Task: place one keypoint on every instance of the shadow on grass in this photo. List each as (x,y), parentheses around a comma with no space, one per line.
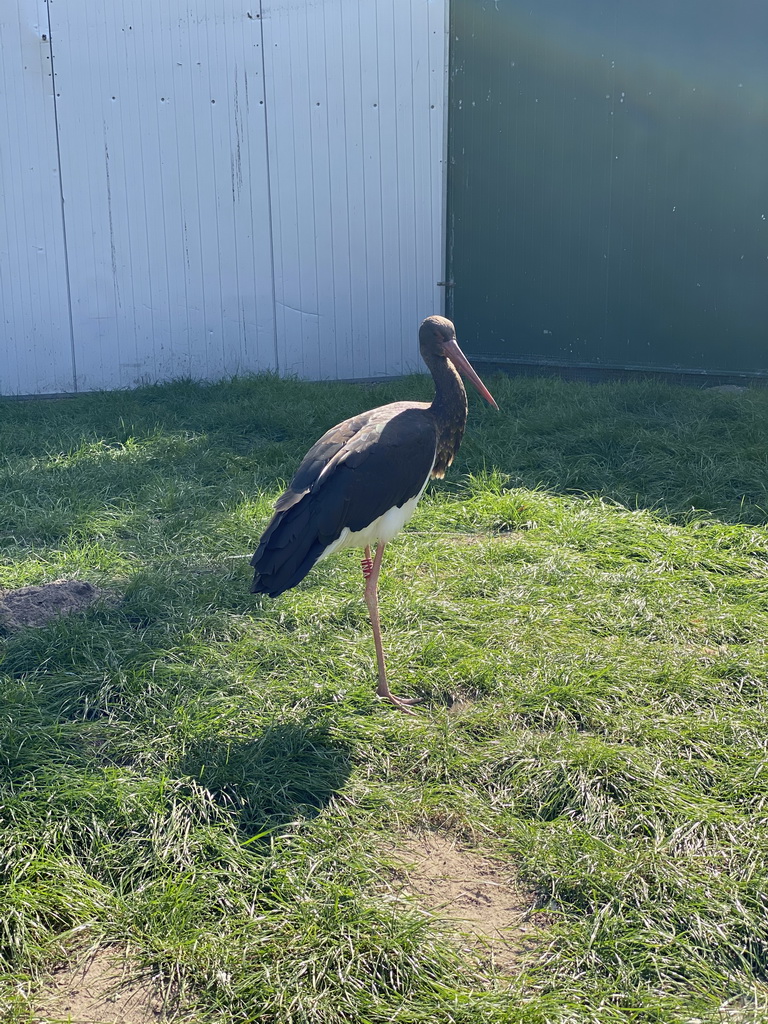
(93,696)
(289,771)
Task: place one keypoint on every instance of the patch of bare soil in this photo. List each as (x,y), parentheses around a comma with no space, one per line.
(107,988)
(36,606)
(482,898)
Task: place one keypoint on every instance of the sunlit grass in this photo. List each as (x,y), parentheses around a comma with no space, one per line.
(583,604)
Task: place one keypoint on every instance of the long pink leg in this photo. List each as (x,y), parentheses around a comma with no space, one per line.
(371,568)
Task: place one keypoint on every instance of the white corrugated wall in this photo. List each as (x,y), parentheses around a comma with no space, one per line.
(35,336)
(207,187)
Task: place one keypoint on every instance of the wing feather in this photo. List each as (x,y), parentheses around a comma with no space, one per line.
(355,473)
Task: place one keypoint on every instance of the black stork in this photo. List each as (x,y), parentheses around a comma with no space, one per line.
(360,483)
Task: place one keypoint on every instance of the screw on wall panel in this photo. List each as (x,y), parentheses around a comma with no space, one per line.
(44,37)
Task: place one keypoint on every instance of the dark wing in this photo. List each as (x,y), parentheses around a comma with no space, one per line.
(355,473)
(329,446)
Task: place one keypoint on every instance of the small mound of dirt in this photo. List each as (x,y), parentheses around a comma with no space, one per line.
(36,606)
(481,897)
(106,989)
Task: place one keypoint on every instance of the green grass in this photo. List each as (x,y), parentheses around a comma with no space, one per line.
(208,776)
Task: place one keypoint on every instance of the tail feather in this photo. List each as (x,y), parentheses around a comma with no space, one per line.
(288,549)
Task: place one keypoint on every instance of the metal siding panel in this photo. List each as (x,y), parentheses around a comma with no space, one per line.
(163,143)
(388,226)
(607,188)
(376,166)
(355,96)
(433,127)
(35,340)
(437,119)
(352,100)
(320,72)
(339,261)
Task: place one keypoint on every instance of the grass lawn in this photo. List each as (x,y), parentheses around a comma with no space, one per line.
(207,777)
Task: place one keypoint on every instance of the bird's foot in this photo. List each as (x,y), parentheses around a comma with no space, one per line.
(403,703)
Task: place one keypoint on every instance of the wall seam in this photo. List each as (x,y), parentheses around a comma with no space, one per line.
(61,198)
(269,189)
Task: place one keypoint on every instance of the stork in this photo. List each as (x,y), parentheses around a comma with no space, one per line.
(360,483)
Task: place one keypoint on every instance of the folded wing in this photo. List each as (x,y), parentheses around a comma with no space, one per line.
(355,473)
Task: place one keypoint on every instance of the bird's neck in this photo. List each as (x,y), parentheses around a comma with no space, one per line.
(449,409)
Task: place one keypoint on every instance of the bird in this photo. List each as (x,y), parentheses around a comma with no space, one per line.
(359,484)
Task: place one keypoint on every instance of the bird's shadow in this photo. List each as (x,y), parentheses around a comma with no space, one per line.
(289,771)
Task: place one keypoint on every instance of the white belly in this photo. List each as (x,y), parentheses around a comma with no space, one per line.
(381,530)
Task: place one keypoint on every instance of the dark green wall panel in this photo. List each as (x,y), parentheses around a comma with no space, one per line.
(608,181)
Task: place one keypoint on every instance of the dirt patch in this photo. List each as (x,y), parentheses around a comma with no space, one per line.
(36,606)
(489,907)
(107,988)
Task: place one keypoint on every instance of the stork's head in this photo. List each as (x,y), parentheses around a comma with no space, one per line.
(437,340)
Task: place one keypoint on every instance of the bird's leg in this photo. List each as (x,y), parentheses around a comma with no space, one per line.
(367,563)
(371,568)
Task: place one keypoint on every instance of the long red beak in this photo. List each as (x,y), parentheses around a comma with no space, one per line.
(461,362)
